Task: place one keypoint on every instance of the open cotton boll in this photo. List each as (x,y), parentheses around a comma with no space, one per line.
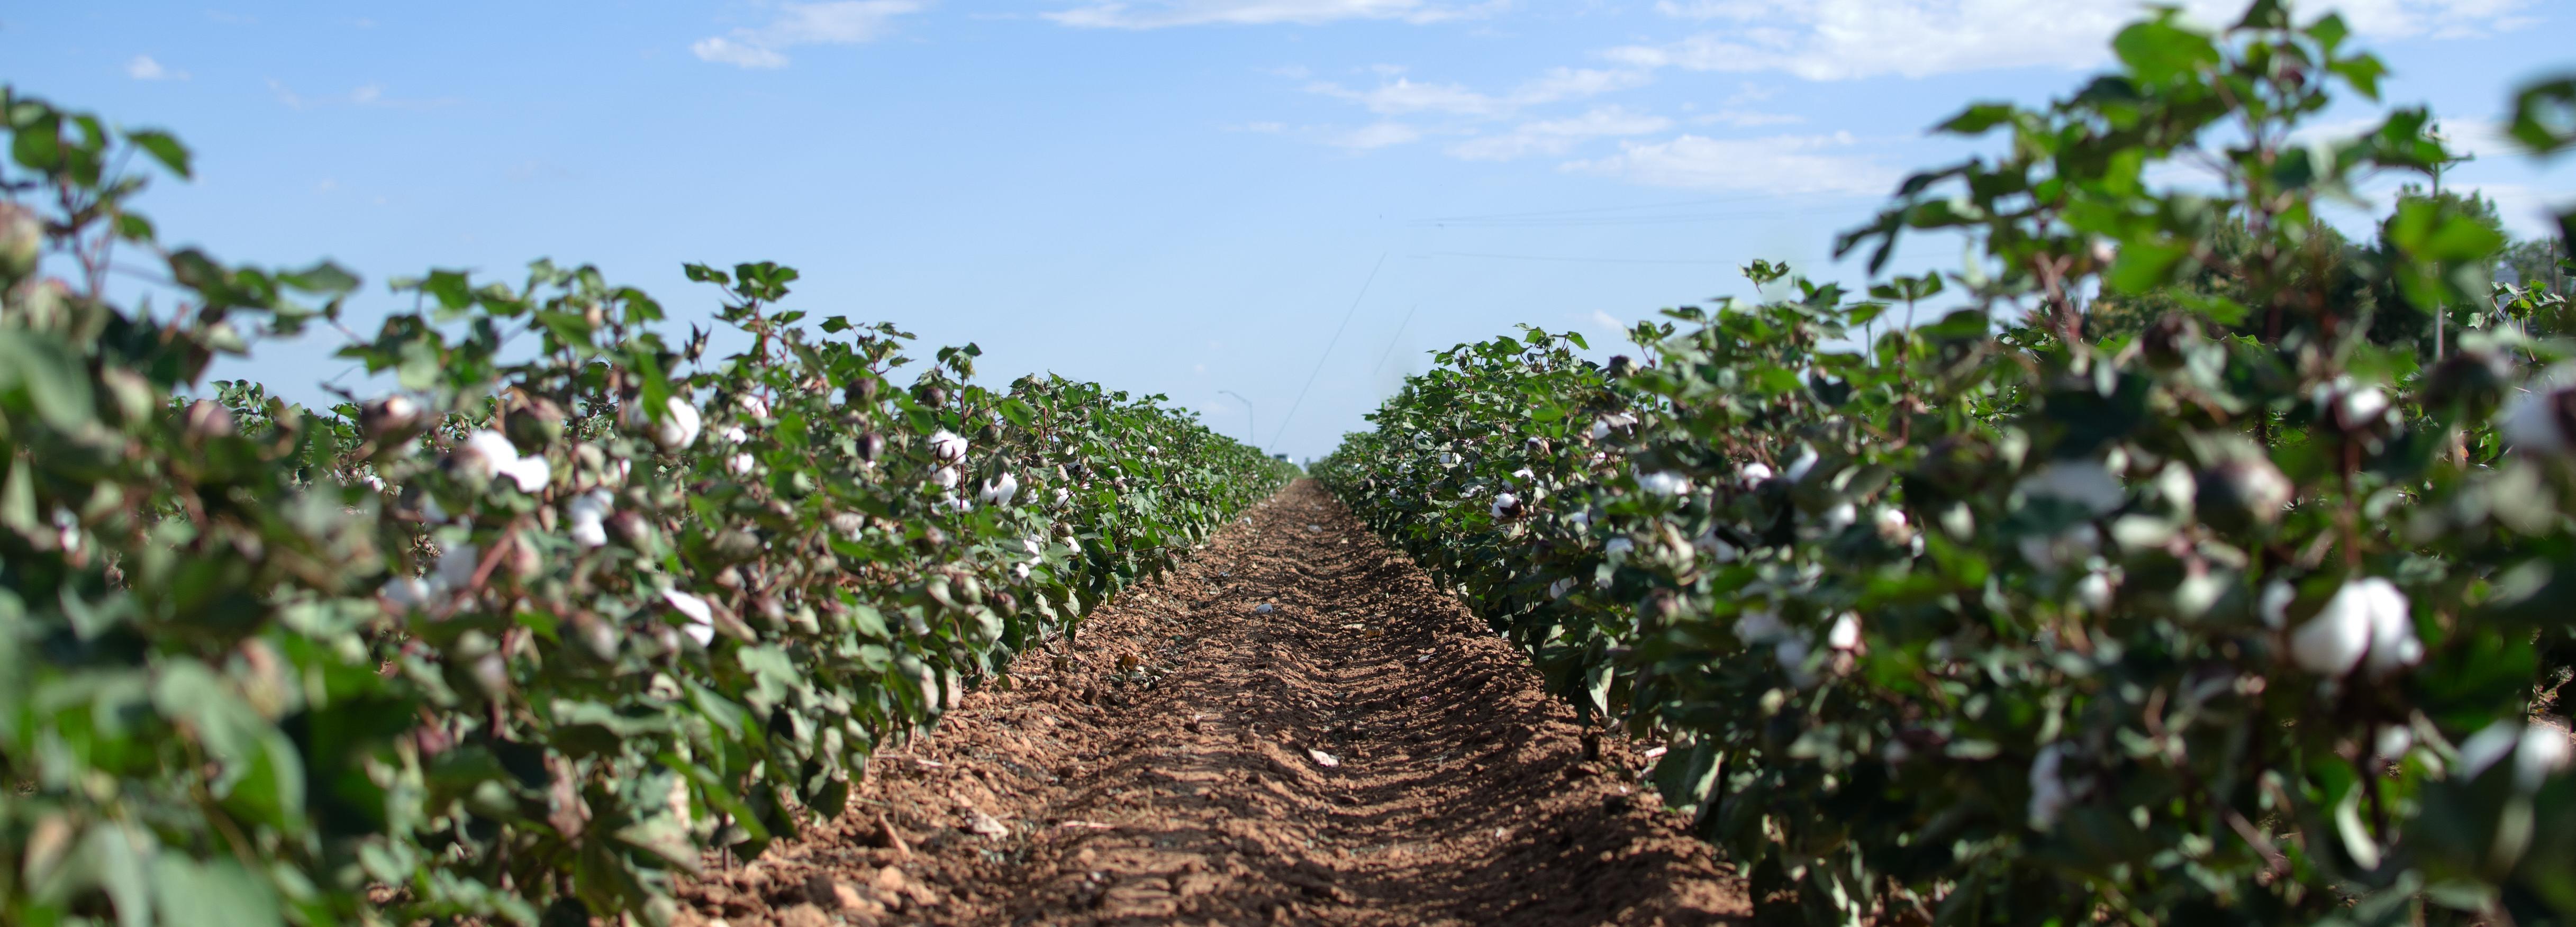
(1000,490)
(484,456)
(1845,634)
(456,566)
(753,406)
(1664,484)
(679,426)
(1806,461)
(946,446)
(946,477)
(585,513)
(1842,515)
(407,592)
(702,616)
(1559,588)
(2094,591)
(2275,604)
(530,473)
(1506,505)
(2048,794)
(2537,420)
(1523,474)
(1753,474)
(2367,616)
(1618,547)
(2083,482)
(740,464)
(733,434)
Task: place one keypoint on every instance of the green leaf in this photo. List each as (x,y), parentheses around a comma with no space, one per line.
(2159,51)
(216,893)
(163,147)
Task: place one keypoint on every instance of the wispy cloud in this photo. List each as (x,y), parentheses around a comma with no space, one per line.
(1404,96)
(1847,39)
(370,95)
(1557,136)
(1159,14)
(1377,135)
(144,68)
(1784,164)
(839,22)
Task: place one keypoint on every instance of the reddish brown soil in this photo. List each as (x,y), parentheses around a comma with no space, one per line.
(1169,768)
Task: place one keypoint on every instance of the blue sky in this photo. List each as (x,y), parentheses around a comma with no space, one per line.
(1174,196)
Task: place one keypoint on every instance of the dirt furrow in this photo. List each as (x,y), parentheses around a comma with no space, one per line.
(1362,751)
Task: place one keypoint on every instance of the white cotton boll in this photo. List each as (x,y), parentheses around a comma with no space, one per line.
(530,473)
(2082,482)
(740,464)
(1806,462)
(733,434)
(2094,591)
(2530,424)
(407,592)
(1582,521)
(484,455)
(1845,634)
(1000,490)
(2392,742)
(1152,451)
(1894,753)
(2543,751)
(1505,505)
(1448,459)
(1753,474)
(1031,545)
(2367,614)
(1524,474)
(374,482)
(946,477)
(1664,484)
(2393,645)
(1716,546)
(2488,745)
(457,565)
(679,426)
(1619,548)
(1759,626)
(1841,516)
(589,533)
(1600,430)
(2275,605)
(753,406)
(1891,524)
(2048,794)
(1020,570)
(592,505)
(947,447)
(1559,588)
(702,624)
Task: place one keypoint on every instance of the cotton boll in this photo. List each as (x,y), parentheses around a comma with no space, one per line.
(946,477)
(2083,482)
(1759,626)
(1448,459)
(589,534)
(2275,604)
(2537,421)
(753,406)
(1845,634)
(1664,484)
(1753,475)
(947,447)
(1716,546)
(733,434)
(407,592)
(2392,742)
(1000,490)
(2094,591)
(2367,615)
(531,473)
(2542,751)
(1805,462)
(1892,525)
(679,426)
(1842,515)
(1506,505)
(457,566)
(702,625)
(740,464)
(1523,474)
(1619,548)
(2048,794)
(483,456)
(1559,588)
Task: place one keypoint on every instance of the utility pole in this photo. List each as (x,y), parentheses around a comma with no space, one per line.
(1252,428)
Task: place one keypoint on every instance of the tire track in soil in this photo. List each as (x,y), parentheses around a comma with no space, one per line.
(1459,792)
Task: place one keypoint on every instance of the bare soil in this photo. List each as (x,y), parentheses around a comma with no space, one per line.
(1363,752)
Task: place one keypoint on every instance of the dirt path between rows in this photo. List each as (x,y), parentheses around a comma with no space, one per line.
(1363,752)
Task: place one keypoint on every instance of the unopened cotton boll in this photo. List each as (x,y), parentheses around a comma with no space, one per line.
(1664,484)
(2367,616)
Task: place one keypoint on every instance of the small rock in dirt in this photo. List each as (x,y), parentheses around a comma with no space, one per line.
(1314,527)
(1324,759)
(1262,609)
(804,915)
(980,823)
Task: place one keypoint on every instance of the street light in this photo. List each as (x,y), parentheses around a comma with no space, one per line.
(1253,426)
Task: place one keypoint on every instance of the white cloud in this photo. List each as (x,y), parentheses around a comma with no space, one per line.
(837,22)
(1557,136)
(1785,164)
(1745,119)
(1405,96)
(144,68)
(1158,14)
(1846,39)
(1376,135)
(363,95)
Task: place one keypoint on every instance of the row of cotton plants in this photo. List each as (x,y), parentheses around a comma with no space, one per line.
(2239,617)
(566,610)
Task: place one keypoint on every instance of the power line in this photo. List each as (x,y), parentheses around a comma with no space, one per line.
(1537,257)
(1390,339)
(1328,350)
